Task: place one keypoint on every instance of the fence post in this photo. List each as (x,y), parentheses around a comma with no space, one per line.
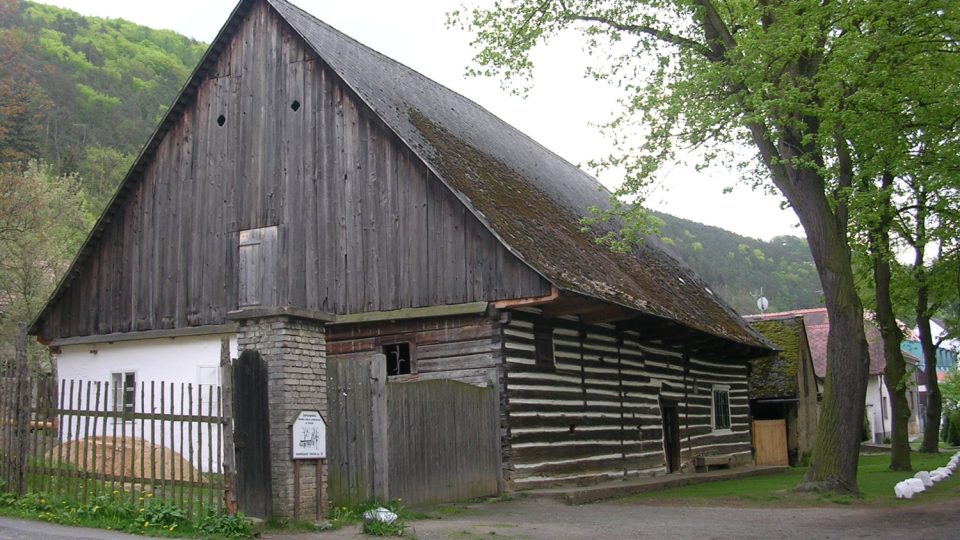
(22,424)
(229,452)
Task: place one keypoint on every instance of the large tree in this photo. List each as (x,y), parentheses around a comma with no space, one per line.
(784,77)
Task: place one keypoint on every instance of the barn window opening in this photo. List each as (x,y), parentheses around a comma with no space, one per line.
(295,105)
(398,359)
(543,347)
(221,120)
(721,408)
(124,390)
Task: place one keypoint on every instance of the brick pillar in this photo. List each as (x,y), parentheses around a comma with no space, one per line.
(294,349)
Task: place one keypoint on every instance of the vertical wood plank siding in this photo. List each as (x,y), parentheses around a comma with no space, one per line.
(597,416)
(363,225)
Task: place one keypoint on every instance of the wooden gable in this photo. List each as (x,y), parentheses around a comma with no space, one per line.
(271,137)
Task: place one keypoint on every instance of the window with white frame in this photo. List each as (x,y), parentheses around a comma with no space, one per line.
(124,386)
(721,407)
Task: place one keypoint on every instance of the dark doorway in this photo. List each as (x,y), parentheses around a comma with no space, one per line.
(671,434)
(251,434)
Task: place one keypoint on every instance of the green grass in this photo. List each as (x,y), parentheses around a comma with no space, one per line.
(874,478)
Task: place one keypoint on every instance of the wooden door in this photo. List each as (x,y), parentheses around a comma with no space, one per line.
(770,442)
(443,440)
(356,429)
(671,435)
(252,434)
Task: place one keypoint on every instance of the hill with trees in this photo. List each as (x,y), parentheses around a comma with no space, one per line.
(80,95)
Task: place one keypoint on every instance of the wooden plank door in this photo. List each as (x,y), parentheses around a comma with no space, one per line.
(356,428)
(770,442)
(444,442)
(252,434)
(671,435)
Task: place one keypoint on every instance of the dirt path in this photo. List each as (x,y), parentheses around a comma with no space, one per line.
(548,520)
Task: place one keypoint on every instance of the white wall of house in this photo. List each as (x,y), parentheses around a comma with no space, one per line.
(879,408)
(188,367)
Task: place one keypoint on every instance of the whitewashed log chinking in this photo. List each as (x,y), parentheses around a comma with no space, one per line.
(300,174)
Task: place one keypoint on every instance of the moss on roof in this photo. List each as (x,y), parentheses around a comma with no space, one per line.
(776,376)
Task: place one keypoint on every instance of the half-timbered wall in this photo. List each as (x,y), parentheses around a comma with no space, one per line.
(596,416)
(274,138)
(462,348)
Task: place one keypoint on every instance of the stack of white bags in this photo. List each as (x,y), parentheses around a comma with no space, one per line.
(925,479)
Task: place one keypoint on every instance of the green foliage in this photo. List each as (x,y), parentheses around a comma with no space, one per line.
(729,263)
(224,525)
(116,512)
(108,80)
(866,433)
(344,515)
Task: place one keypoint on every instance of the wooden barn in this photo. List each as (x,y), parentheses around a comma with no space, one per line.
(407,264)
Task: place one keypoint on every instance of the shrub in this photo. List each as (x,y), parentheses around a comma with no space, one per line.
(235,526)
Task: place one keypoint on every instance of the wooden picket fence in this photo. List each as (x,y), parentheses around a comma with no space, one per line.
(78,439)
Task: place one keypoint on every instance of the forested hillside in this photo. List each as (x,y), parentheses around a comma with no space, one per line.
(91,90)
(79,96)
(738,267)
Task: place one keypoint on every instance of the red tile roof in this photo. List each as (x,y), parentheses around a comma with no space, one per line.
(818,326)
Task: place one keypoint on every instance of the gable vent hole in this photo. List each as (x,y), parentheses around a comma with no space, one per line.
(221,120)
(295,105)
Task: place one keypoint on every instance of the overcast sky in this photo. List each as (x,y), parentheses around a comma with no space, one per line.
(558,112)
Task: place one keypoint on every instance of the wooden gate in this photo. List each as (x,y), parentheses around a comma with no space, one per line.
(354,451)
(252,434)
(444,442)
(423,442)
(770,442)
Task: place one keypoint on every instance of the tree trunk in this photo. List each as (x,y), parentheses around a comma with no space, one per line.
(931,428)
(894,373)
(895,369)
(836,450)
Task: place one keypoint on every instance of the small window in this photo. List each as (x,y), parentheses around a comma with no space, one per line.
(543,347)
(399,361)
(721,408)
(124,391)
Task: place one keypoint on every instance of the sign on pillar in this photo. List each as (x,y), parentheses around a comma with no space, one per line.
(309,442)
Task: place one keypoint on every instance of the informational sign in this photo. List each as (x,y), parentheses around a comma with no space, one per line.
(309,436)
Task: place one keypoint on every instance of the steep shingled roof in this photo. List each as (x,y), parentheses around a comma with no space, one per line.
(529,198)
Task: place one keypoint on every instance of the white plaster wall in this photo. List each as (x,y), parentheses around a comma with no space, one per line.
(875,390)
(185,365)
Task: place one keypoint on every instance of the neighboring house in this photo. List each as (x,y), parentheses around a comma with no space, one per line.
(878,398)
(784,386)
(321,206)
(946,361)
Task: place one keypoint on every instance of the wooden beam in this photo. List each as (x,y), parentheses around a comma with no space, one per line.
(230,328)
(529,301)
(412,313)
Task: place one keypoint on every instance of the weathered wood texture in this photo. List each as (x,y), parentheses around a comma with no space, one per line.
(252,434)
(350,437)
(465,348)
(597,415)
(362,224)
(443,441)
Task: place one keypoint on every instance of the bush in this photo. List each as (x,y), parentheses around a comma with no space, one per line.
(866,433)
(950,433)
(225,525)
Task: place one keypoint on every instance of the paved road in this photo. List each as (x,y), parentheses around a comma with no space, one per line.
(16,529)
(548,520)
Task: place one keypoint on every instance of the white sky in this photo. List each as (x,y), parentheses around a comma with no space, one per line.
(558,112)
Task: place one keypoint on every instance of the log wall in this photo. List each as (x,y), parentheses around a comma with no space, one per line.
(274,138)
(463,348)
(597,416)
